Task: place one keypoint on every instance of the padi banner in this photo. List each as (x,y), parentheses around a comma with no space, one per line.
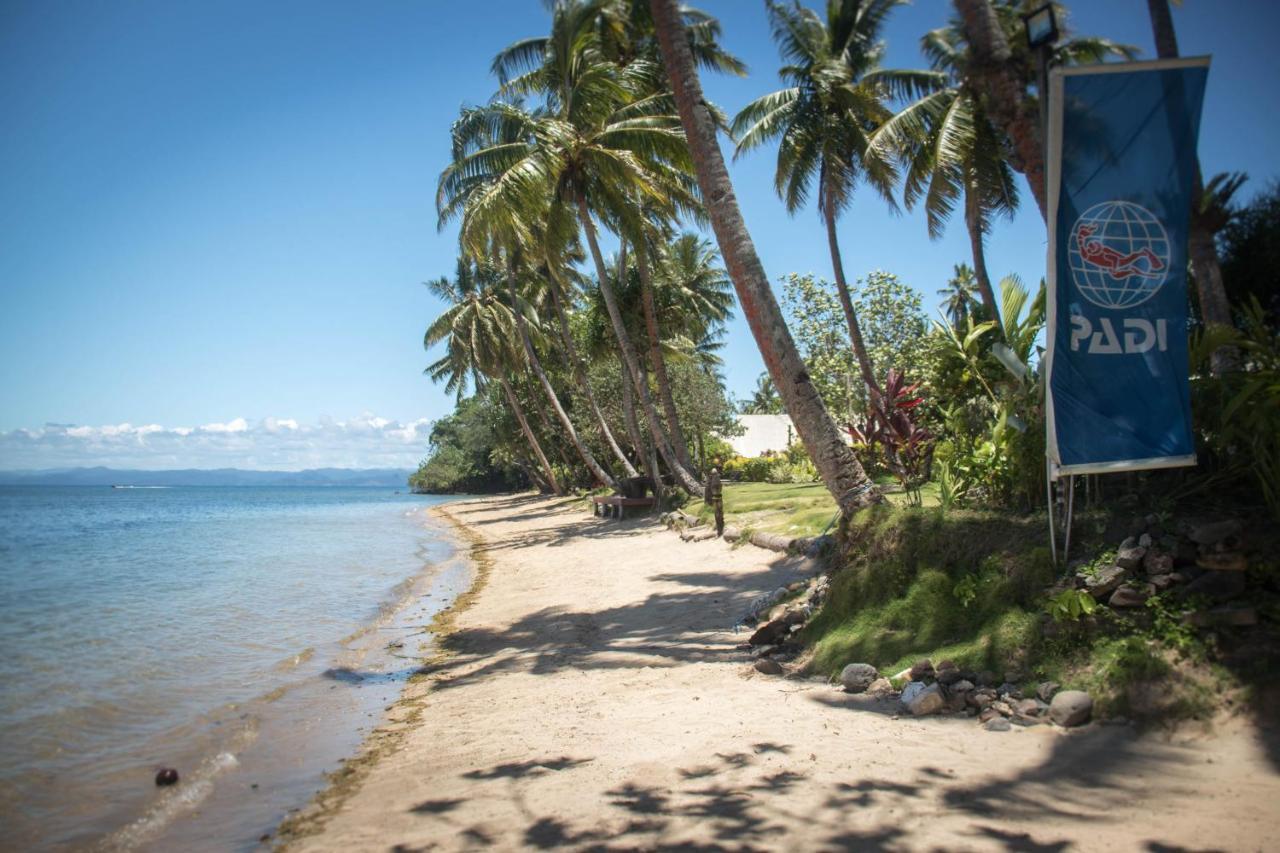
(1121,162)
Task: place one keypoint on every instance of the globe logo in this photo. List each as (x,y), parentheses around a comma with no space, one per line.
(1118,254)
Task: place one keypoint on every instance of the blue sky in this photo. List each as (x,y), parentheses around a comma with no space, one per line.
(221,213)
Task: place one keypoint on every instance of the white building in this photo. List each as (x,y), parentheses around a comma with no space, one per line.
(763,433)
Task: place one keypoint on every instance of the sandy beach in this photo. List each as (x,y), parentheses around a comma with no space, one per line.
(593,695)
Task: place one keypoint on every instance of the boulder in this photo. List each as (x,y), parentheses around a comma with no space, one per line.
(1231,561)
(910,692)
(1104,581)
(1163,582)
(922,670)
(1071,708)
(1003,707)
(1130,558)
(1046,690)
(988,714)
(930,700)
(880,687)
(765,666)
(1211,533)
(1217,586)
(1145,541)
(1131,596)
(963,686)
(857,677)
(997,724)
(948,673)
(776,630)
(1009,689)
(1028,707)
(1157,563)
(986,678)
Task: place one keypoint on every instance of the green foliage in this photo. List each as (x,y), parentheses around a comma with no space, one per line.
(1249,246)
(1238,414)
(470,451)
(893,327)
(764,400)
(1070,605)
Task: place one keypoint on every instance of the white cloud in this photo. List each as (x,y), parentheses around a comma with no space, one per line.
(272,443)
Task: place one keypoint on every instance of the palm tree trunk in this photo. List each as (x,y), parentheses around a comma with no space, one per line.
(1007,97)
(530,437)
(865,367)
(1215,310)
(597,471)
(645,453)
(630,360)
(840,471)
(659,362)
(973,221)
(549,435)
(566,335)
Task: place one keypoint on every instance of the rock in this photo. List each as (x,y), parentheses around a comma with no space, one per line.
(1028,707)
(928,701)
(1046,689)
(857,677)
(1214,532)
(997,724)
(1105,581)
(1026,720)
(1222,616)
(963,686)
(770,633)
(921,670)
(1132,541)
(988,714)
(1162,582)
(986,678)
(1145,541)
(1231,561)
(763,651)
(1217,586)
(167,776)
(1003,707)
(1130,596)
(1008,689)
(1071,708)
(765,666)
(880,687)
(1157,563)
(980,699)
(910,692)
(1130,558)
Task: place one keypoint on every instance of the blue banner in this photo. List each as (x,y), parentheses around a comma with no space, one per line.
(1121,162)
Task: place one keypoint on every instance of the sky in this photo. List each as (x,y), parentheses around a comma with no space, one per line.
(216,218)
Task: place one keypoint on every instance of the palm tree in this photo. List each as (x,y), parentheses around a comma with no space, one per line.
(959,292)
(764,400)
(605,147)
(824,118)
(476,328)
(1214,307)
(840,471)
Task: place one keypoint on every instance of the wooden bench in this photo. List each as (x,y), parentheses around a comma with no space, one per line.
(616,505)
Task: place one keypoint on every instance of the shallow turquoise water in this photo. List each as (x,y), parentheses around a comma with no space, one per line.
(227,632)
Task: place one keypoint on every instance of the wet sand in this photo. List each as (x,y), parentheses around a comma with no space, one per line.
(595,697)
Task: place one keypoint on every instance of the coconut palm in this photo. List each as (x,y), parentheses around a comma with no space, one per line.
(823,120)
(476,328)
(603,147)
(764,400)
(840,470)
(959,292)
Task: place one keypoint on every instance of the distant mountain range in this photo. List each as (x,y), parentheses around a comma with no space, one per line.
(394,477)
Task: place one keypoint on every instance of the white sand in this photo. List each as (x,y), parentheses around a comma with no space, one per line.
(598,700)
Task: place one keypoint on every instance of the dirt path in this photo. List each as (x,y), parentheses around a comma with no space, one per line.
(598,700)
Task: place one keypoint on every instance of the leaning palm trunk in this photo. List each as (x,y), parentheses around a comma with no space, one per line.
(973,222)
(835,461)
(1008,104)
(571,349)
(646,454)
(593,466)
(530,437)
(674,431)
(549,435)
(1214,308)
(631,361)
(865,367)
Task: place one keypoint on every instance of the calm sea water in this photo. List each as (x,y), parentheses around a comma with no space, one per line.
(245,636)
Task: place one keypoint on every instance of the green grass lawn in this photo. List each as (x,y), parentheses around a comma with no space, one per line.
(788,509)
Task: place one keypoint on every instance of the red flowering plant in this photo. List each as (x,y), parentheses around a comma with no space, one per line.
(907,445)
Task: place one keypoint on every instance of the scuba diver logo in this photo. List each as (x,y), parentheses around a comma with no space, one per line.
(1118,253)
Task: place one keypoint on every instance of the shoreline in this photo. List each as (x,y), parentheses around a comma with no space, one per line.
(406,711)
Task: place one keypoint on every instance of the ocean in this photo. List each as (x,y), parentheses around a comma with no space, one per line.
(247,637)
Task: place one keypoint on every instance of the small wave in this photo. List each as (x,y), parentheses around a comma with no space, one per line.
(181,799)
(296,660)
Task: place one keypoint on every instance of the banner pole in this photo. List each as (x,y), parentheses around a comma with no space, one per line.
(1071,502)
(1048,488)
